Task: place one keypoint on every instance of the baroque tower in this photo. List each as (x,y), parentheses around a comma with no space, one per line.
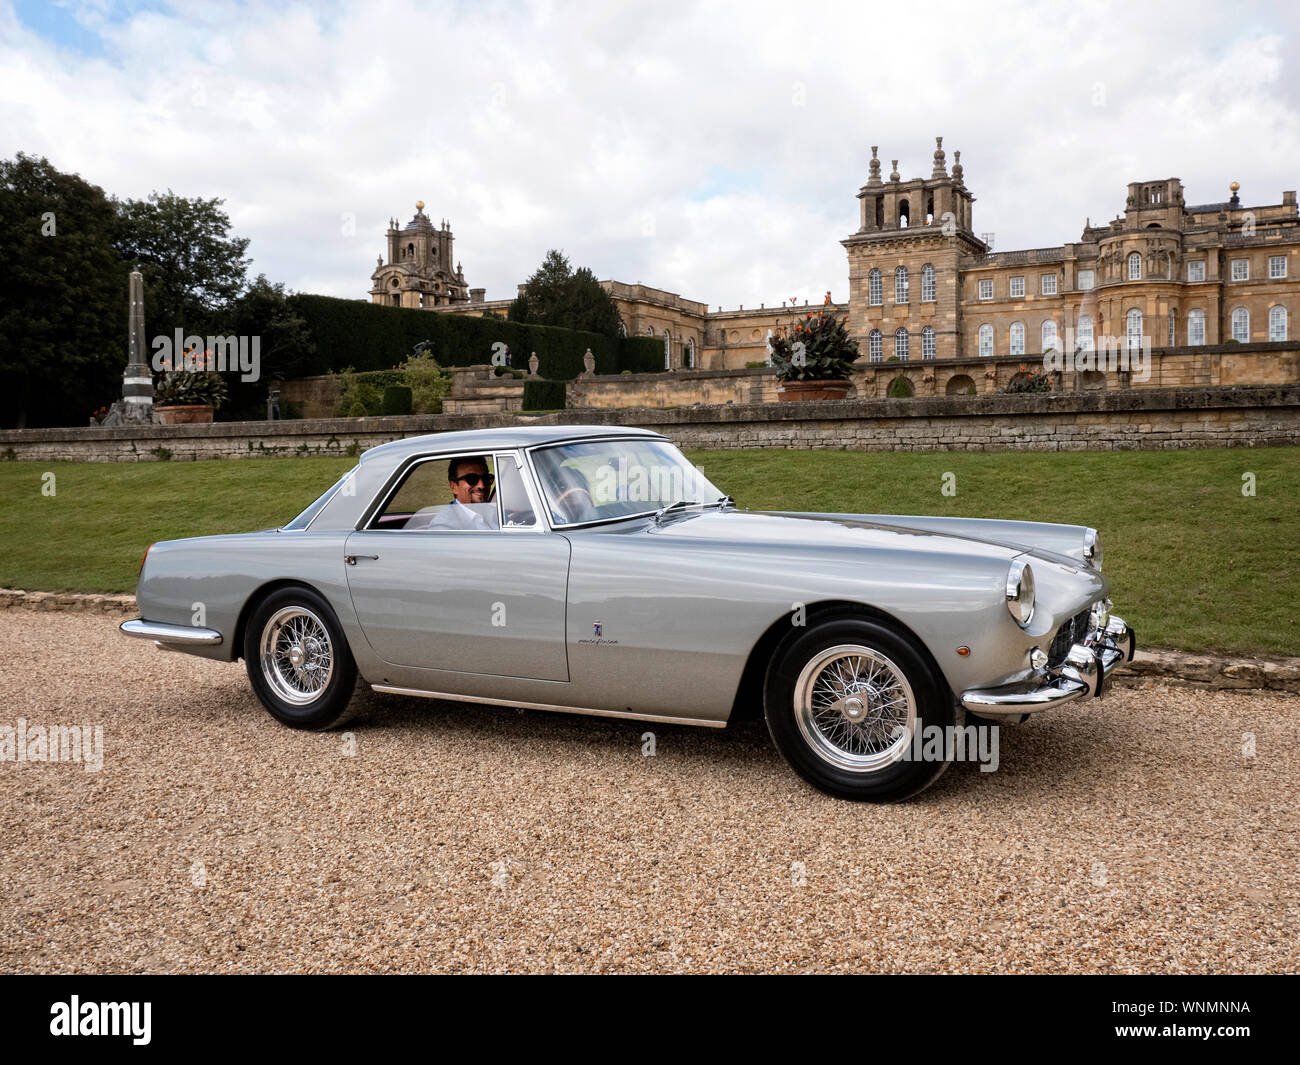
(904,284)
(419,272)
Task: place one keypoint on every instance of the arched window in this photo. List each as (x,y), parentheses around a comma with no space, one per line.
(986,341)
(1276,323)
(1133,329)
(927,342)
(688,354)
(876,346)
(1135,267)
(1048,334)
(1196,327)
(668,351)
(1085,337)
(1017,339)
(410,251)
(927,283)
(929,209)
(1173,325)
(900,345)
(904,214)
(1241,325)
(900,285)
(875,297)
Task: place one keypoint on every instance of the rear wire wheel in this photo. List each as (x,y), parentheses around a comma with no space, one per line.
(298,660)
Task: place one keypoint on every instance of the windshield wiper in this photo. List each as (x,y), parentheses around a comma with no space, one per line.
(663,512)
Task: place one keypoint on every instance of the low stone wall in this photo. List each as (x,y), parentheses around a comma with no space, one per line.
(1139,419)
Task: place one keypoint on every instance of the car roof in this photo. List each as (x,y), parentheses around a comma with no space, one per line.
(509,436)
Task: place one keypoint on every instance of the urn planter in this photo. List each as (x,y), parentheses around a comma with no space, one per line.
(188,414)
(792,391)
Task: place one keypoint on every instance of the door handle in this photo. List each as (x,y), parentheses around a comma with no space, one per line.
(351,560)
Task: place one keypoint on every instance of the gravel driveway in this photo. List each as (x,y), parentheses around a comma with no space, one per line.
(1134,834)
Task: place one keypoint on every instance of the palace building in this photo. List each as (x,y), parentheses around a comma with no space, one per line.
(923,284)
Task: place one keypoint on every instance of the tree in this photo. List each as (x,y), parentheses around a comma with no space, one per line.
(558,296)
(266,311)
(192,266)
(63,318)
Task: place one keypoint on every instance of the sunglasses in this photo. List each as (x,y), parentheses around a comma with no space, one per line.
(475,479)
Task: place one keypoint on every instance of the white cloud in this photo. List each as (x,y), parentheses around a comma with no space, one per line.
(714,150)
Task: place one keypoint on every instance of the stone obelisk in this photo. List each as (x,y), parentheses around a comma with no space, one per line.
(137,380)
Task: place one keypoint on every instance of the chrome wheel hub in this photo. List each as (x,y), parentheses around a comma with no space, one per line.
(297,656)
(855,708)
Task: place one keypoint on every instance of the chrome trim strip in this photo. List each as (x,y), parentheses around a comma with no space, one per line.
(164,633)
(658,718)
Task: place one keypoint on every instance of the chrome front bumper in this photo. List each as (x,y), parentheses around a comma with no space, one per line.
(1082,676)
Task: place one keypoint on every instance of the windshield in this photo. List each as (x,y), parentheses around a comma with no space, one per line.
(602,480)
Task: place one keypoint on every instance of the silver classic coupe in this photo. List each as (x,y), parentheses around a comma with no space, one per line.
(594,570)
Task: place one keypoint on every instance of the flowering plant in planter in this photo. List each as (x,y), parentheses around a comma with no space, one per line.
(818,348)
(1027,380)
(190,388)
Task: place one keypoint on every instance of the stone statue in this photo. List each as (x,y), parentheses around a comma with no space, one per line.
(533,363)
(589,362)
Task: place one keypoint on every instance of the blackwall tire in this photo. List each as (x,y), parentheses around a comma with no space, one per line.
(843,700)
(298,660)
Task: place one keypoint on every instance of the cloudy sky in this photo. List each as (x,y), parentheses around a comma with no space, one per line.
(714,150)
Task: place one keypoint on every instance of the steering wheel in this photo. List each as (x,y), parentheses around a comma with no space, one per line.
(570,503)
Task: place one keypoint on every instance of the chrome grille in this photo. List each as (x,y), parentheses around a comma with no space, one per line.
(1072,632)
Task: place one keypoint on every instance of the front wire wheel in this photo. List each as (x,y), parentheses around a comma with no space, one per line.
(844,699)
(855,708)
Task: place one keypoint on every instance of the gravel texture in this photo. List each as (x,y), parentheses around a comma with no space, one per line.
(1131,834)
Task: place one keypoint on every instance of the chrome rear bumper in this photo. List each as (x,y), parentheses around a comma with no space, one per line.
(1082,676)
(173,635)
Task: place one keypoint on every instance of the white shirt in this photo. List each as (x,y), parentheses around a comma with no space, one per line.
(458,515)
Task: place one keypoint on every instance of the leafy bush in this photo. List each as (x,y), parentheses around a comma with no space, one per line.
(827,353)
(901,388)
(1028,381)
(397,400)
(182,388)
(429,383)
(364,394)
(543,395)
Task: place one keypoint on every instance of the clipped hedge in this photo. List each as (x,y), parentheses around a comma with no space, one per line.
(638,355)
(543,395)
(397,400)
(369,336)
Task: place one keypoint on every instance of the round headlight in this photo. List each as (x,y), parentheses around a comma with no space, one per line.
(1020,592)
(1092,548)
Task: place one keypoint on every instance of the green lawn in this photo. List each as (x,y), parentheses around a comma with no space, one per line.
(1194,563)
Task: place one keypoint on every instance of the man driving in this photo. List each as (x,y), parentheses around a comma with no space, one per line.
(471,506)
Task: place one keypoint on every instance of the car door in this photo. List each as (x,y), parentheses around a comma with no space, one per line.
(475,601)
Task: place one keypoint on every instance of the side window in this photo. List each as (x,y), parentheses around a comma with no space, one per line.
(516,508)
(456,495)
